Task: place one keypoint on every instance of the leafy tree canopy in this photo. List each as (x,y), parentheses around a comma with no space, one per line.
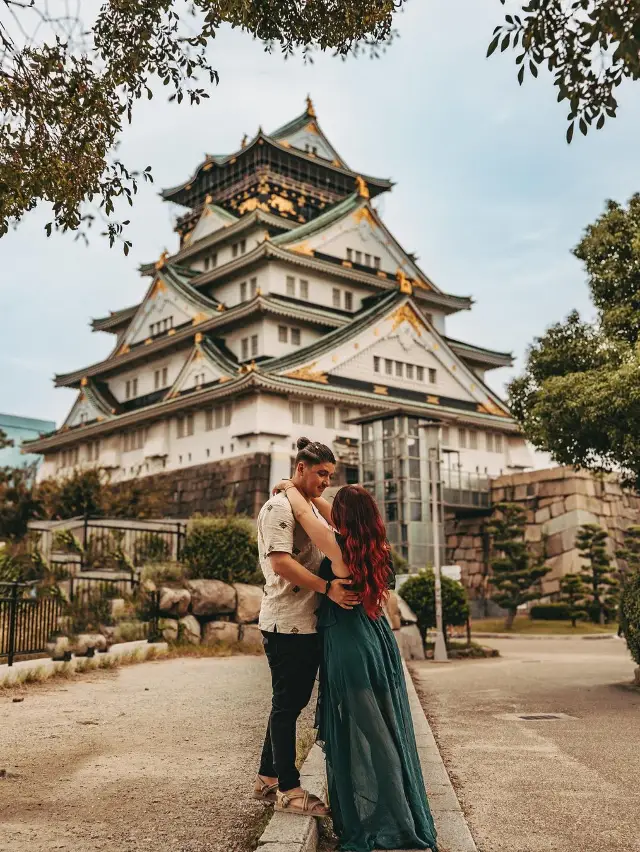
(579,395)
(68,86)
(589,47)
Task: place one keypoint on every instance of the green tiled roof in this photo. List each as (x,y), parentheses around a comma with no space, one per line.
(333,214)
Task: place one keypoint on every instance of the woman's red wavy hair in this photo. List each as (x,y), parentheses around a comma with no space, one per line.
(365,549)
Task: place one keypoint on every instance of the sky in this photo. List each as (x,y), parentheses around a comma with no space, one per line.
(488,194)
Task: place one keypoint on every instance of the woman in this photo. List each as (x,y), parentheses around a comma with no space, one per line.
(376,790)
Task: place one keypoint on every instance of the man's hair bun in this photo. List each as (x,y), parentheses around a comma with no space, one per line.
(301,443)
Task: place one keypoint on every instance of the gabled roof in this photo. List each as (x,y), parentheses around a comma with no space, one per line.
(116,321)
(307,120)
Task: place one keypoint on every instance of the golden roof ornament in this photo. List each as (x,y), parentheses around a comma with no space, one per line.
(310,108)
(208,199)
(361,187)
(403,282)
(243,144)
(221,308)
(161,261)
(198,338)
(83,382)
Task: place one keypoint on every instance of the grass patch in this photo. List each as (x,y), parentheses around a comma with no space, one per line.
(304,744)
(524,625)
(464,650)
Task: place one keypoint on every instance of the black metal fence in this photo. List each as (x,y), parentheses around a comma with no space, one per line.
(140,544)
(26,621)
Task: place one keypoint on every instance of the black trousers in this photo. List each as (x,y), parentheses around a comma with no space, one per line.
(293,660)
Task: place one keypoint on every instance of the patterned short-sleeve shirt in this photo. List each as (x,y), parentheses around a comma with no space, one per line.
(286,607)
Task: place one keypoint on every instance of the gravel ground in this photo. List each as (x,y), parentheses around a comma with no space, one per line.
(541,786)
(157,756)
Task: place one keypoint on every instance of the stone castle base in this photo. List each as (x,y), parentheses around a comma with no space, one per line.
(557,502)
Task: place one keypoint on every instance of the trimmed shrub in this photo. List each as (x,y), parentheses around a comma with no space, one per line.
(164,572)
(151,547)
(550,612)
(419,592)
(630,614)
(222,549)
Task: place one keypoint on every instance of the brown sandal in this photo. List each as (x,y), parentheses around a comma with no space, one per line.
(311,805)
(263,791)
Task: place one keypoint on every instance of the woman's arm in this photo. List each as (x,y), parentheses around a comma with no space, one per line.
(320,534)
(324,507)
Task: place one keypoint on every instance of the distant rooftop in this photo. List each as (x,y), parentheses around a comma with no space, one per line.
(20,429)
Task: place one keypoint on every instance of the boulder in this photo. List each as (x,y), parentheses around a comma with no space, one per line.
(109,633)
(249,602)
(59,648)
(220,631)
(168,627)
(407,615)
(392,611)
(119,608)
(251,637)
(189,629)
(87,643)
(174,601)
(211,597)
(410,642)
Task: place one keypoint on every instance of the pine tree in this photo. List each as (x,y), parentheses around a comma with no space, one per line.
(573,592)
(630,554)
(516,571)
(591,541)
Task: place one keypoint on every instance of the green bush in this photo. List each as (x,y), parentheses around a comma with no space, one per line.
(164,572)
(222,549)
(419,593)
(550,612)
(152,547)
(630,614)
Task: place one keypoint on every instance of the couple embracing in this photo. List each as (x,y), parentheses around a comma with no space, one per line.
(327,570)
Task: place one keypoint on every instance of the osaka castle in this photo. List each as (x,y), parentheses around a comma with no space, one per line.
(287,308)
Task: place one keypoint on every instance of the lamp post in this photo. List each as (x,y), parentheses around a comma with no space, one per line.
(440,651)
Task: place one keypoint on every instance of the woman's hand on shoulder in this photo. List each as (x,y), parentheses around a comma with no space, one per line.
(281,486)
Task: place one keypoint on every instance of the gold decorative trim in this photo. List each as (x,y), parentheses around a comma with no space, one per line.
(247,368)
(308,374)
(406,314)
(124,349)
(433,400)
(361,187)
(207,166)
(381,274)
(158,287)
(347,263)
(303,248)
(198,338)
(381,389)
(161,261)
(403,282)
(83,383)
(243,144)
(363,215)
(336,163)
(312,127)
(198,318)
(223,379)
(208,199)
(171,332)
(311,112)
(148,341)
(490,407)
(285,144)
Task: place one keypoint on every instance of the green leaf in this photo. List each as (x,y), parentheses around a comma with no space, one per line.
(493,45)
(570,133)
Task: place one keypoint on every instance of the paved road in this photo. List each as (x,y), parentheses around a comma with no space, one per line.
(157,756)
(541,786)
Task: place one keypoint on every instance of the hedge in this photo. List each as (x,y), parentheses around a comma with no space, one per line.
(630,614)
(550,612)
(222,549)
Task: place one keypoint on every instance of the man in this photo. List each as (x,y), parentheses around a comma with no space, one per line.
(290,563)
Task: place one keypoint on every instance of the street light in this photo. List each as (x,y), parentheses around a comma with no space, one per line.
(440,651)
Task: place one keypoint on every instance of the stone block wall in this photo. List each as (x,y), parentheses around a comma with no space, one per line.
(557,501)
(204,488)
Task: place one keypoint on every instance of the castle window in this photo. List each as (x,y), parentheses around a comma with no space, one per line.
(291,285)
(376,364)
(336,298)
(329,417)
(243,246)
(214,260)
(295,336)
(376,262)
(227,415)
(254,344)
(208,421)
(294,408)
(207,261)
(350,255)
(304,289)
(307,413)
(367,259)
(283,334)
(198,380)
(498,443)
(133,440)
(358,257)
(219,417)
(489,441)
(244,344)
(446,435)
(243,291)
(473,439)
(420,374)
(348,301)
(254,287)
(93,451)
(179,428)
(399,369)
(131,388)
(462,438)
(345,413)
(410,372)
(190,424)
(429,318)
(315,150)
(433,375)
(388,367)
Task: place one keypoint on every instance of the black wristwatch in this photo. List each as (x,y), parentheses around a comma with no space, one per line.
(328,587)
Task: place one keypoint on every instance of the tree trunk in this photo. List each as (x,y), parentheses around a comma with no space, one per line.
(511,617)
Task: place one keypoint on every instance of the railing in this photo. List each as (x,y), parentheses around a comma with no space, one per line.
(26,622)
(463,489)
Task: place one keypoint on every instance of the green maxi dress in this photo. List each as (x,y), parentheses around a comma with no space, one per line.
(376,789)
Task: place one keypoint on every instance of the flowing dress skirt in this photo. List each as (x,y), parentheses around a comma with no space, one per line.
(376,789)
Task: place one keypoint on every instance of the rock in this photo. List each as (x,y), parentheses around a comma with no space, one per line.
(211,597)
(249,602)
(392,611)
(109,634)
(87,643)
(220,631)
(407,615)
(251,637)
(168,627)
(410,642)
(59,648)
(174,601)
(189,629)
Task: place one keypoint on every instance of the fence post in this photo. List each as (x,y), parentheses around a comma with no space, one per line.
(85,535)
(154,633)
(13,611)
(179,541)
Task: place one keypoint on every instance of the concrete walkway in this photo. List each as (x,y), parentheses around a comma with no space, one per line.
(158,756)
(545,785)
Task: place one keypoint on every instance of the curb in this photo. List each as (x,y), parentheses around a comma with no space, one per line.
(288,833)
(294,833)
(586,636)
